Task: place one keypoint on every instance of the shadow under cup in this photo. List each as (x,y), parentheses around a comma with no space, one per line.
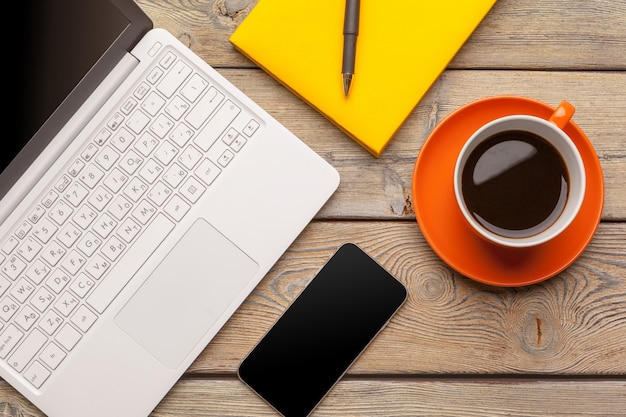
(519,181)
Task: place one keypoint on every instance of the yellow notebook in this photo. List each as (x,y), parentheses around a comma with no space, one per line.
(403,46)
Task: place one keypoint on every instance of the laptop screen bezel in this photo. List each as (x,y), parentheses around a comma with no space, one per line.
(138,24)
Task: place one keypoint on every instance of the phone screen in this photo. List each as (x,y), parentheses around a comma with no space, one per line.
(323,332)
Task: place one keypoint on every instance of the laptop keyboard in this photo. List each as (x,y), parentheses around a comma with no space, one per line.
(168,141)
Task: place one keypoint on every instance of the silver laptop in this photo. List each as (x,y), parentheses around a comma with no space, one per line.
(143,198)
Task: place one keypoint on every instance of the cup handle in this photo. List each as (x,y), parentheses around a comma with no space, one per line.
(562,114)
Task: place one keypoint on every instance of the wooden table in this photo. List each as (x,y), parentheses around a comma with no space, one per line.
(457,347)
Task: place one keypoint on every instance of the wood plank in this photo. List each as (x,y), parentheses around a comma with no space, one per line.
(515,34)
(381,188)
(400,398)
(572,324)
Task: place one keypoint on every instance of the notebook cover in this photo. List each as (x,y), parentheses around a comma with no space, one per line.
(402,48)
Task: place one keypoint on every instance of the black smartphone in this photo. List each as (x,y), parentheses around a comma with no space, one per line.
(323,332)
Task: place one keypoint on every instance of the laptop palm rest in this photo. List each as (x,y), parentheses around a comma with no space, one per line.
(199,277)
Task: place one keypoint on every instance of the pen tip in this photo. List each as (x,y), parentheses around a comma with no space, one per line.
(347,80)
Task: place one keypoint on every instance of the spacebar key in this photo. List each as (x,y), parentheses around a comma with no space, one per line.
(130,263)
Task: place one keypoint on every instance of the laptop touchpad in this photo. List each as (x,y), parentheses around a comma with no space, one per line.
(186,293)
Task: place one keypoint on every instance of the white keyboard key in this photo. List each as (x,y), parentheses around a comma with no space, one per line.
(37,271)
(85,216)
(152,103)
(49,199)
(135,189)
(69,235)
(203,109)
(225,158)
(192,90)
(174,79)
(29,249)
(42,299)
(102,136)
(177,208)
(68,337)
(26,318)
(107,158)
(181,135)
(120,207)
(37,374)
(91,175)
(192,189)
(61,212)
(22,290)
(161,126)
(9,338)
(116,180)
(131,162)
(52,355)
(82,285)
(144,212)
(75,194)
(76,167)
(207,171)
(150,171)
(166,153)
(23,229)
(44,230)
(36,214)
(84,318)
(73,262)
(62,184)
(176,108)
(4,285)
(13,267)
(27,350)
(10,244)
(122,140)
(90,151)
(104,226)
(8,308)
(89,244)
(66,303)
(138,121)
(159,193)
(100,198)
(174,175)
(218,123)
(53,253)
(97,266)
(50,322)
(113,248)
(189,157)
(57,281)
(146,144)
(128,230)
(145,245)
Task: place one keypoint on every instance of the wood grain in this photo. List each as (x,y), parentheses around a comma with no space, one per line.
(381,188)
(399,398)
(572,324)
(515,34)
(457,347)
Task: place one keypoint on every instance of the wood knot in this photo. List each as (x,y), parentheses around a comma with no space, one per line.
(433,286)
(232,12)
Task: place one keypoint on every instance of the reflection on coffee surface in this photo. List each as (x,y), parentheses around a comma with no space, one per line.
(515,184)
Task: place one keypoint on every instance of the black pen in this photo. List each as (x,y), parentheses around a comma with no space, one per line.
(350,33)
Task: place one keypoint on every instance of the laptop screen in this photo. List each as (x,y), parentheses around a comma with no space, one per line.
(59,43)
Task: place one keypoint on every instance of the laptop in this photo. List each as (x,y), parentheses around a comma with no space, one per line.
(143,197)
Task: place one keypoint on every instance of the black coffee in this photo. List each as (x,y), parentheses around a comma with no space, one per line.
(515,184)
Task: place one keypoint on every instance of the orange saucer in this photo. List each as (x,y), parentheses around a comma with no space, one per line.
(447,232)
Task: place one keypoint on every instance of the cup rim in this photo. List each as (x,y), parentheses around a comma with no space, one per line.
(573,204)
